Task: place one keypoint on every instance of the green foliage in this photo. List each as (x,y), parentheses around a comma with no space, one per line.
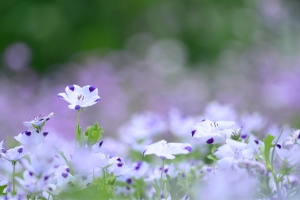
(157,189)
(93,134)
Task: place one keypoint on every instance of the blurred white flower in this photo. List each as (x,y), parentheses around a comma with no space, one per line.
(38,122)
(167,150)
(118,167)
(31,137)
(212,132)
(14,154)
(80,97)
(179,125)
(231,152)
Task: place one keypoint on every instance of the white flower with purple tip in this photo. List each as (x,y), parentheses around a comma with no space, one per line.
(31,137)
(96,147)
(38,122)
(32,183)
(212,132)
(14,154)
(80,97)
(117,166)
(167,150)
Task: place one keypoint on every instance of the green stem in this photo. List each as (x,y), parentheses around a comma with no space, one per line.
(161,175)
(77,128)
(277,184)
(14,172)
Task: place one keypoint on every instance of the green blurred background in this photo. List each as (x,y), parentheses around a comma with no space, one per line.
(56,30)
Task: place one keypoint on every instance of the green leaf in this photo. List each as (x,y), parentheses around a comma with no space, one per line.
(93,134)
(268,145)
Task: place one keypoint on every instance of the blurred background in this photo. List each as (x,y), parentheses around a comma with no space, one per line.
(149,55)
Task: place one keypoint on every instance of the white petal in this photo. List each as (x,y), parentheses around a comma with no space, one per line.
(235,144)
(205,123)
(154,148)
(179,148)
(86,92)
(224,124)
(91,101)
(66,98)
(248,153)
(224,151)
(71,94)
(225,163)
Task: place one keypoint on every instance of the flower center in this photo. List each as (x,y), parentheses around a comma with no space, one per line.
(80,97)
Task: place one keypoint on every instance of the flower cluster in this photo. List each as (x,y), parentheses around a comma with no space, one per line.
(215,158)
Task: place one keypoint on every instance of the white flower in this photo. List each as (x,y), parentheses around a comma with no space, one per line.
(118,167)
(80,97)
(32,183)
(14,154)
(212,132)
(291,140)
(38,122)
(231,152)
(167,150)
(31,138)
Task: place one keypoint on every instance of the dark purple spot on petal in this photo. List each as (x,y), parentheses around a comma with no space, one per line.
(193,133)
(41,119)
(46,178)
(256,141)
(3,150)
(27,133)
(144,152)
(92,88)
(244,136)
(119,159)
(45,134)
(186,197)
(98,100)
(278,145)
(209,169)
(20,150)
(183,175)
(67,170)
(120,164)
(299,136)
(100,143)
(47,119)
(166,170)
(77,107)
(59,96)
(30,173)
(137,167)
(188,148)
(163,157)
(71,87)
(37,131)
(210,141)
(129,180)
(50,189)
(203,120)
(127,187)
(64,174)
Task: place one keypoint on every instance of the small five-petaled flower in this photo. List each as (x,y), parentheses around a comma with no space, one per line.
(80,97)
(167,150)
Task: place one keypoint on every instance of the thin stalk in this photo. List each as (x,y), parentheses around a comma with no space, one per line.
(14,172)
(77,125)
(277,185)
(161,175)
